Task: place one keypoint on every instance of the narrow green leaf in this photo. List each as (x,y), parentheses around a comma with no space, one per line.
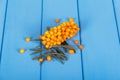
(35,40)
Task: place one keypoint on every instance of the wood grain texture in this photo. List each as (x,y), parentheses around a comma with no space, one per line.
(54,70)
(101,54)
(23,20)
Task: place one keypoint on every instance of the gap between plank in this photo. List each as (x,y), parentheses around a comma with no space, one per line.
(4,25)
(116,21)
(81,53)
(41,34)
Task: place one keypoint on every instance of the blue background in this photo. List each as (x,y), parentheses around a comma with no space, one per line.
(99,21)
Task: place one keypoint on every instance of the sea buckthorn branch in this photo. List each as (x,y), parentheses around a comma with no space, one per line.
(54,41)
(58,34)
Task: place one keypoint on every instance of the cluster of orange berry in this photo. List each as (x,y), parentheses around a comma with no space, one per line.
(58,34)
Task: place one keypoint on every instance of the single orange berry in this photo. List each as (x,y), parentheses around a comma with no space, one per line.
(22,50)
(72,23)
(48,36)
(49,58)
(67,23)
(59,33)
(51,32)
(27,39)
(71,19)
(68,30)
(44,42)
(57,20)
(54,43)
(41,60)
(64,24)
(63,29)
(74,26)
(42,37)
(46,33)
(71,51)
(55,30)
(76,41)
(58,42)
(81,47)
(52,37)
(48,39)
(47,46)
(77,29)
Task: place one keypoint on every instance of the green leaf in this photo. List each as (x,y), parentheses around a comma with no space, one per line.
(36,58)
(35,40)
(58,50)
(35,52)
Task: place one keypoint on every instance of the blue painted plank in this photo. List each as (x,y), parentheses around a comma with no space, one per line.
(116,7)
(101,54)
(23,20)
(2,14)
(54,70)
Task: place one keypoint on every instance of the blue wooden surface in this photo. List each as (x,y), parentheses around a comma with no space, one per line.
(72,68)
(117,14)
(2,15)
(23,20)
(99,35)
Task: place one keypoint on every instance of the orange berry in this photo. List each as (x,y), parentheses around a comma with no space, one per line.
(46,33)
(62,40)
(22,50)
(47,46)
(72,23)
(54,43)
(44,42)
(74,26)
(66,33)
(51,32)
(78,29)
(64,23)
(71,51)
(49,58)
(27,39)
(71,19)
(59,27)
(42,37)
(59,37)
(68,30)
(47,39)
(63,29)
(41,60)
(55,31)
(81,47)
(71,31)
(58,43)
(48,43)
(59,33)
(57,20)
(67,23)
(52,37)
(71,35)
(76,41)
(48,36)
